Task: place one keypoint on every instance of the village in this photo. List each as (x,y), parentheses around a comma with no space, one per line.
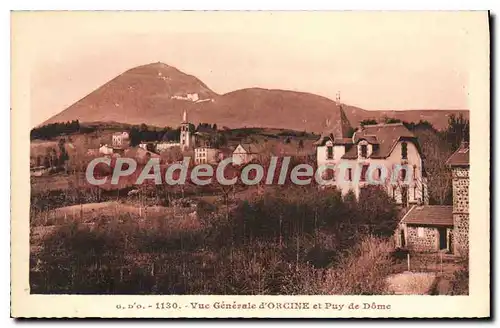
(383,146)
(435,235)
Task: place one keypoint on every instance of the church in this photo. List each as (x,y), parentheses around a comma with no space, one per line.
(388,153)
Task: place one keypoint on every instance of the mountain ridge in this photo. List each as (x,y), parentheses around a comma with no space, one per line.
(158,93)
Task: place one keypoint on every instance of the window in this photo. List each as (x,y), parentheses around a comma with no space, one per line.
(414,173)
(364,151)
(379,174)
(349,174)
(329,152)
(404,150)
(415,192)
(420,232)
(329,174)
(394,192)
(364,169)
(403,174)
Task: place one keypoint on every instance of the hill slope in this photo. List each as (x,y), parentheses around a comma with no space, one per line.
(152,94)
(157,94)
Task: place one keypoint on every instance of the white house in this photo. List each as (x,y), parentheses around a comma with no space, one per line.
(385,154)
(120,139)
(205,155)
(244,153)
(165,145)
(106,150)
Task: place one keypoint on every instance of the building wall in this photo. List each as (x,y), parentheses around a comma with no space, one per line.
(205,155)
(461,210)
(240,156)
(185,138)
(322,153)
(429,241)
(106,150)
(162,146)
(417,184)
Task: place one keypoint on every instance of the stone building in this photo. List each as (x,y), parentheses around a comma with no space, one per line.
(426,228)
(459,164)
(436,227)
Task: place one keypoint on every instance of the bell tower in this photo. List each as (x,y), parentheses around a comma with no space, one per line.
(185,134)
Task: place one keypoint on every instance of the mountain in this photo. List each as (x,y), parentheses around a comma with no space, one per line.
(152,94)
(157,94)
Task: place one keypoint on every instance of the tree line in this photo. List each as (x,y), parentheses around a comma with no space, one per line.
(53,130)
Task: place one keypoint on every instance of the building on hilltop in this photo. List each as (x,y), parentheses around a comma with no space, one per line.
(388,155)
(459,164)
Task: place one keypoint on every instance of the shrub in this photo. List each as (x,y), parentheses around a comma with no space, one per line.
(460,280)
(362,271)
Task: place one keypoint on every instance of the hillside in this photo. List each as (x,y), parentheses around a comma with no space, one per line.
(156,94)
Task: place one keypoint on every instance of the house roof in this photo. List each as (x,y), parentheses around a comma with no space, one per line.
(460,157)
(371,139)
(337,128)
(436,215)
(385,136)
(250,148)
(205,130)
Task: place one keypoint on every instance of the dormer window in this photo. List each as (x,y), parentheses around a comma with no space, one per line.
(329,152)
(364,151)
(404,150)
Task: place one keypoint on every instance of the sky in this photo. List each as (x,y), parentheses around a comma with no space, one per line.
(377,60)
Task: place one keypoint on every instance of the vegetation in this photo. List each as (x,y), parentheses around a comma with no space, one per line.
(286,240)
(460,281)
(279,243)
(53,130)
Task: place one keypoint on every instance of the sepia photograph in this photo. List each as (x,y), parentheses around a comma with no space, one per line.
(250,154)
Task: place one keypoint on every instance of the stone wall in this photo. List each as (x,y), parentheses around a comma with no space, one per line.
(461,210)
(460,190)
(428,242)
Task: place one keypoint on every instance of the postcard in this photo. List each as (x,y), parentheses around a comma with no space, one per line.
(309,164)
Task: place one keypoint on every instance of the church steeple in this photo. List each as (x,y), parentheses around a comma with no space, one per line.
(337,126)
(341,125)
(185,133)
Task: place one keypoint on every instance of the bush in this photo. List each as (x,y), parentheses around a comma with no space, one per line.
(362,271)
(460,280)
(283,242)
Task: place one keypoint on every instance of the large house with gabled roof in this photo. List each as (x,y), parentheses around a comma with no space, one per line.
(385,154)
